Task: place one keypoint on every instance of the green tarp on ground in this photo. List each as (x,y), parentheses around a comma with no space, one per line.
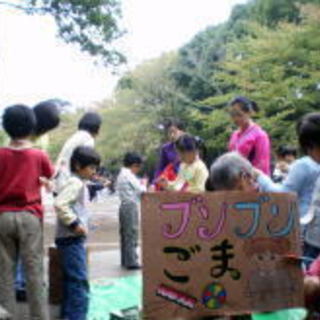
(109,295)
(289,314)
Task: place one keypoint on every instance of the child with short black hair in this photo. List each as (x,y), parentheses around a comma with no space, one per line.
(130,189)
(193,173)
(47,118)
(304,171)
(21,210)
(286,155)
(72,229)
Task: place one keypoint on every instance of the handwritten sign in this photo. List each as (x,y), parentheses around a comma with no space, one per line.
(219,254)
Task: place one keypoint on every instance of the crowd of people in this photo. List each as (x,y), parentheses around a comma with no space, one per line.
(27,172)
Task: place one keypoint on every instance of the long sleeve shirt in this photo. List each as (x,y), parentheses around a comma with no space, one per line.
(191,177)
(63,170)
(129,186)
(313,220)
(254,144)
(301,180)
(70,205)
(168,154)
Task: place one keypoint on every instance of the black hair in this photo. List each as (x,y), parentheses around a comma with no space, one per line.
(83,157)
(19,121)
(245,104)
(209,186)
(187,143)
(132,158)
(308,131)
(91,122)
(174,123)
(47,115)
(286,151)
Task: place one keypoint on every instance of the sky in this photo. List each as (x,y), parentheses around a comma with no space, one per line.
(35,65)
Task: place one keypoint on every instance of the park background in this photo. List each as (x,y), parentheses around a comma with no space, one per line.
(267,50)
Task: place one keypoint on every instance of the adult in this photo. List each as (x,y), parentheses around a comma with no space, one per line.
(88,129)
(250,140)
(168,153)
(231,171)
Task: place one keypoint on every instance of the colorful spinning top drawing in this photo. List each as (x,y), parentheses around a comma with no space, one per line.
(214,296)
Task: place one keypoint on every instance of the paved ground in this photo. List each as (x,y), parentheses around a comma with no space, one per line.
(104,258)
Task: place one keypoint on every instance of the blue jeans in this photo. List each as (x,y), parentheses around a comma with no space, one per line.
(20,280)
(75,278)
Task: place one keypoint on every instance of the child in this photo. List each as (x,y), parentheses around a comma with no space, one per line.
(312,236)
(48,118)
(193,173)
(88,129)
(72,229)
(286,155)
(130,189)
(303,172)
(21,210)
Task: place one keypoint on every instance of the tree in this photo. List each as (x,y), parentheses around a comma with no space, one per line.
(200,58)
(276,64)
(154,90)
(91,24)
(279,68)
(271,12)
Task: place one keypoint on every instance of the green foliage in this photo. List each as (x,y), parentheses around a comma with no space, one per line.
(124,129)
(144,97)
(271,57)
(271,12)
(91,24)
(279,68)
(131,119)
(3,138)
(200,59)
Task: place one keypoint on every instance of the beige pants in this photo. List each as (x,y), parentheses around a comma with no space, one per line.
(21,233)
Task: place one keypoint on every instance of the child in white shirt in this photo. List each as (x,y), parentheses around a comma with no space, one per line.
(130,189)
